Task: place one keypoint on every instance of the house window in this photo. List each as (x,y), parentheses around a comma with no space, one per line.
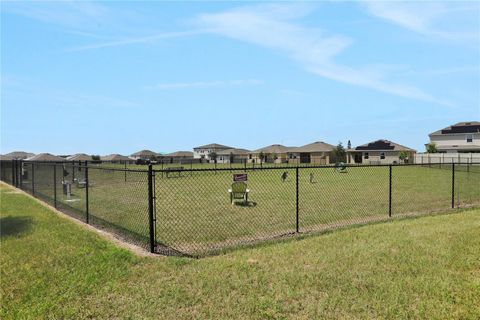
(382,155)
(365,155)
(469,137)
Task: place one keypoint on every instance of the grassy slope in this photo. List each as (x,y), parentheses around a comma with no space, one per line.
(424,268)
(194,214)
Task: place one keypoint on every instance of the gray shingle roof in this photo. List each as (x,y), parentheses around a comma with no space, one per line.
(79,157)
(381,145)
(179,154)
(318,146)
(19,155)
(115,157)
(144,153)
(46,157)
(274,148)
(461,127)
(213,146)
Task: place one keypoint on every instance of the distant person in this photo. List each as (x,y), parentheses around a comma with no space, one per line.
(284,176)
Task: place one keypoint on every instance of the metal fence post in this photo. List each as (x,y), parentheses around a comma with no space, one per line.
(87,183)
(21,174)
(55,185)
(33,178)
(150,208)
(453,185)
(13,173)
(296,193)
(390,191)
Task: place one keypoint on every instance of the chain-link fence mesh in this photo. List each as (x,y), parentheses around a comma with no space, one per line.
(202,211)
(330,197)
(195,213)
(118,200)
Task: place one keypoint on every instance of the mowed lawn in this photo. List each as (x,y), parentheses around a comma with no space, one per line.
(426,267)
(194,214)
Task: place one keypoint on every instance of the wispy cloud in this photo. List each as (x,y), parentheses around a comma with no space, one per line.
(137,40)
(274,27)
(423,17)
(206,84)
(64,13)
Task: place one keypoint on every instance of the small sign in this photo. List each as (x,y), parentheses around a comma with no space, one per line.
(240,177)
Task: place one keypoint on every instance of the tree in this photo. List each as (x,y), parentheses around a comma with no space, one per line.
(349,145)
(431,147)
(213,156)
(403,155)
(339,154)
(274,156)
(261,156)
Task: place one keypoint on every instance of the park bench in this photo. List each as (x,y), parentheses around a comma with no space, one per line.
(170,170)
(239,191)
(81,183)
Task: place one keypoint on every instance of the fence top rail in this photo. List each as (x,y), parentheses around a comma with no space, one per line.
(78,165)
(331,166)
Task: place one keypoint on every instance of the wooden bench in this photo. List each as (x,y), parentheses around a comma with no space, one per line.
(170,170)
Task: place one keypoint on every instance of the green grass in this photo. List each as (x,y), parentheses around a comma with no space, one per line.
(425,268)
(194,214)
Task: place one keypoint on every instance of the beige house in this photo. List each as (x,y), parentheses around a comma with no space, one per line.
(178,157)
(458,138)
(203,152)
(315,153)
(79,157)
(276,153)
(117,158)
(18,155)
(144,155)
(379,152)
(232,155)
(46,157)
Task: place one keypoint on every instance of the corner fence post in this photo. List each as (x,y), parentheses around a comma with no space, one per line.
(297,229)
(390,190)
(21,174)
(13,172)
(150,208)
(87,186)
(453,185)
(55,185)
(33,178)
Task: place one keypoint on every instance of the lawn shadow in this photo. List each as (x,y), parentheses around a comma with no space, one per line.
(14,226)
(246,204)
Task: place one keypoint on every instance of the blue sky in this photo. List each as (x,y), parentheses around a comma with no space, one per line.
(117,77)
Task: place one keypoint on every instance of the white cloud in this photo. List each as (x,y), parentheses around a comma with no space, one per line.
(137,40)
(314,49)
(423,17)
(66,13)
(206,84)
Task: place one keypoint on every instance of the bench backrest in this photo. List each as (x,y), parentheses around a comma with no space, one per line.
(239,187)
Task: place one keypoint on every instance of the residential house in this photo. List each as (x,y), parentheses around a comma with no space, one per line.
(380,152)
(79,157)
(315,153)
(232,155)
(178,157)
(458,138)
(18,155)
(275,153)
(204,152)
(117,158)
(145,155)
(42,157)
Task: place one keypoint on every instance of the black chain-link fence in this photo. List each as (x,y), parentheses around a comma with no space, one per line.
(196,212)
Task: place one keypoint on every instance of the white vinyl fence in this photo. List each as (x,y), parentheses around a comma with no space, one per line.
(431,158)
